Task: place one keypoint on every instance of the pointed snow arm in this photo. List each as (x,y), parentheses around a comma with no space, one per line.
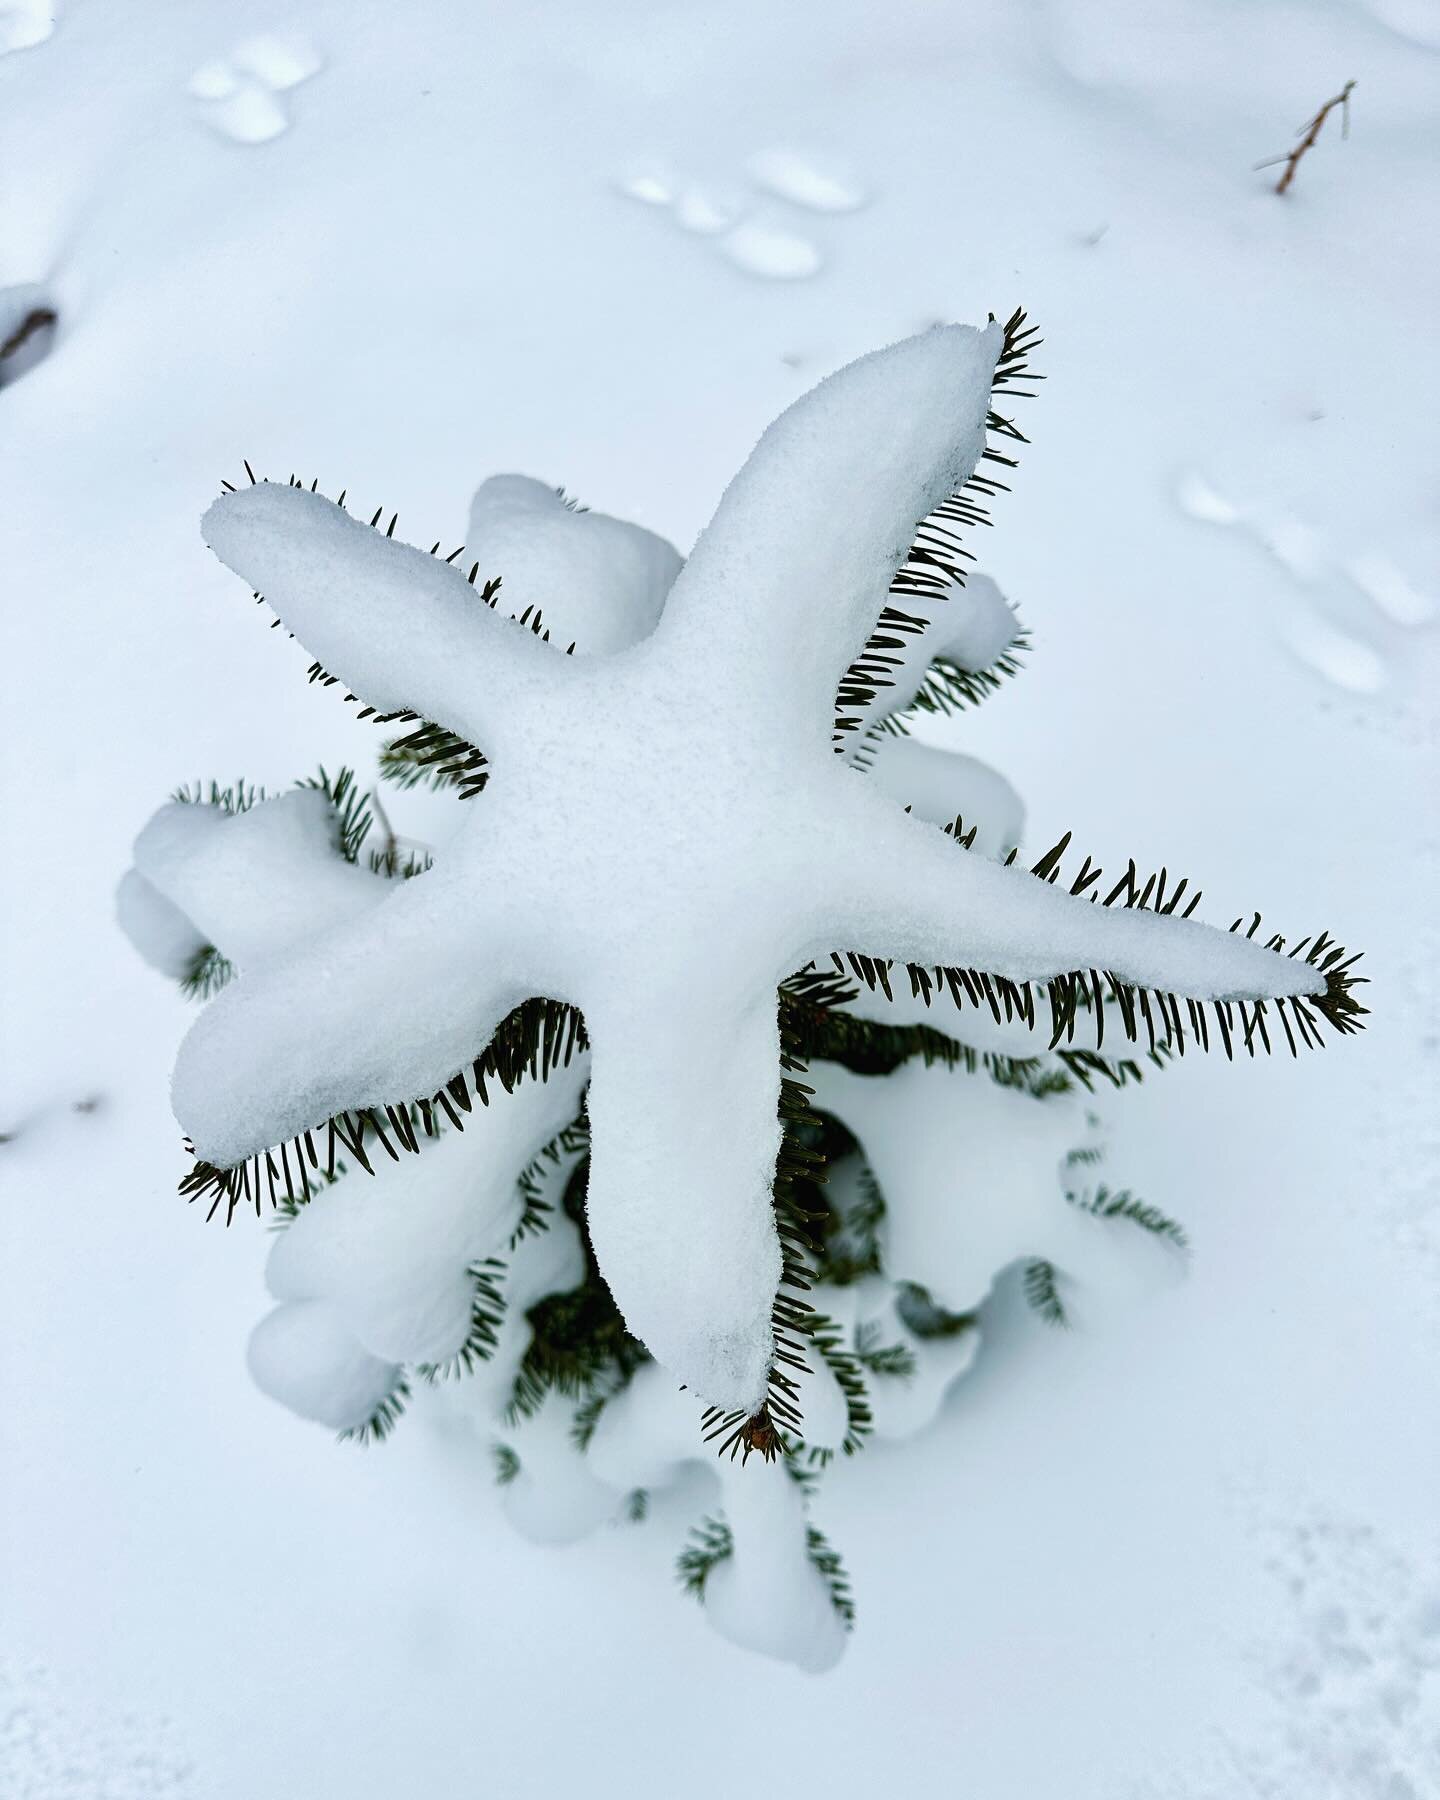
(787,581)
(406,631)
(988,933)
(684,1133)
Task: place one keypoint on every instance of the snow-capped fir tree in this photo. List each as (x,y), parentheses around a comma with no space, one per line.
(719,1064)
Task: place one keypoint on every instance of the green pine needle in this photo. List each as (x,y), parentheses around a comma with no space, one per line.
(711,1543)
(924,1317)
(896,1361)
(827,1561)
(1041,1284)
(207,972)
(1104,1204)
(383,1420)
(487,1312)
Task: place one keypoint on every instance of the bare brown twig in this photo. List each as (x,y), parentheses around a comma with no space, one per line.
(35,320)
(1308,135)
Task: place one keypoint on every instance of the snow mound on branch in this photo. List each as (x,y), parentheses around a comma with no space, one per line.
(904,1405)
(975,1175)
(393,1255)
(555,1498)
(157,928)
(768,1596)
(945,785)
(957,1216)
(259,880)
(302,1355)
(597,582)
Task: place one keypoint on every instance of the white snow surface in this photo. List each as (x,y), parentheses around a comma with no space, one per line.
(1090,1513)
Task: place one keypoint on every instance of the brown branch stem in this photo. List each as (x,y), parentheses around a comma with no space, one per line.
(1312,131)
(35,320)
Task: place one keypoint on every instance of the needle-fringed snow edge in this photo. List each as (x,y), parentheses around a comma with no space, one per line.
(542,1035)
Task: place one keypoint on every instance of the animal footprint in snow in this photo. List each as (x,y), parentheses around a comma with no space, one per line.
(770,251)
(704,210)
(760,242)
(239,93)
(25,23)
(1343,659)
(1347,1688)
(806,181)
(1390,592)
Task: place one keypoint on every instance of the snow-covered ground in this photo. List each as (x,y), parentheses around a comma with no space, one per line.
(1187,1553)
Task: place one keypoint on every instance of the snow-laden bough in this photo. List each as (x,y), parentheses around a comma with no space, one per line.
(667,835)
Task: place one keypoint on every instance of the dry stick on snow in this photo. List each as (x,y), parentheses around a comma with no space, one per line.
(35,320)
(1308,135)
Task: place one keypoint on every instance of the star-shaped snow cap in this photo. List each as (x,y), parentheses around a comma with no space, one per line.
(667,834)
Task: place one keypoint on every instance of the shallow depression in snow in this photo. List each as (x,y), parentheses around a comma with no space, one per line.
(240,95)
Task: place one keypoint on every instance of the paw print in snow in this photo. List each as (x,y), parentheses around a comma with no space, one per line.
(25,23)
(239,93)
(755,236)
(1341,657)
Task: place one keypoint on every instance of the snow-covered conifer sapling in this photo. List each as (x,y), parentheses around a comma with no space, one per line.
(728,1054)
